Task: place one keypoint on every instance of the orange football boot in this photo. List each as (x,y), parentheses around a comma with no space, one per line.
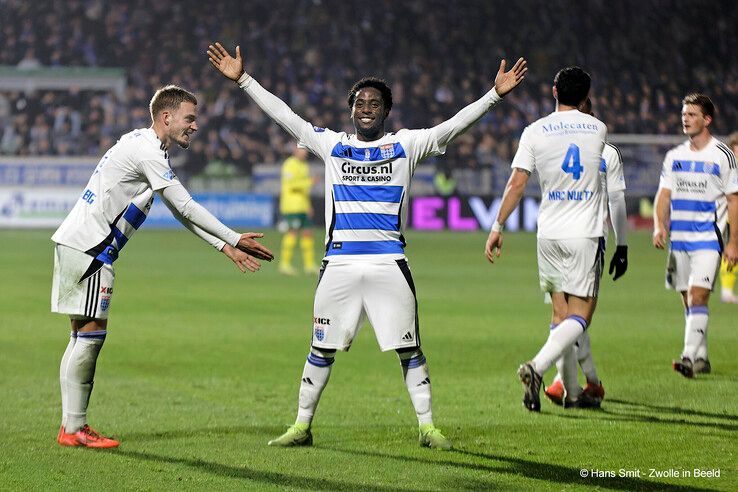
(86,437)
(555,392)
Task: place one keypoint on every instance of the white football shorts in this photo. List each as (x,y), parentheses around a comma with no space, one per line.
(685,269)
(349,293)
(71,294)
(572,266)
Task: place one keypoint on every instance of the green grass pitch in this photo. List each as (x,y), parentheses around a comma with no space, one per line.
(201,368)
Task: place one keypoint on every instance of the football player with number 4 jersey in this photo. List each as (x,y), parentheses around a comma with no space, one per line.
(565,389)
(365,274)
(565,149)
(696,177)
(112,207)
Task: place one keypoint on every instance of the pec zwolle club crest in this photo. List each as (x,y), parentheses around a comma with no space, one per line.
(319,333)
(387,151)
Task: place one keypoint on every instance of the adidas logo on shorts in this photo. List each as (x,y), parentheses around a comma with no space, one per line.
(407,337)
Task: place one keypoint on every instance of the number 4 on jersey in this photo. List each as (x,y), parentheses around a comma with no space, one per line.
(571,162)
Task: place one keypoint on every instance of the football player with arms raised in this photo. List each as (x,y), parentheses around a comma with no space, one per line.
(365,273)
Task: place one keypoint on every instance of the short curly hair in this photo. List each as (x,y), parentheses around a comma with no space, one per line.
(375,83)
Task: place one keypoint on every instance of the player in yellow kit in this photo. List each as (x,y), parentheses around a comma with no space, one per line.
(296,211)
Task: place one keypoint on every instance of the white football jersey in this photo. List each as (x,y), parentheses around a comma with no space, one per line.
(118,196)
(698,180)
(565,149)
(367,188)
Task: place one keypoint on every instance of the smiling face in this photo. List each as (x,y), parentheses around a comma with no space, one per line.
(181,124)
(368,114)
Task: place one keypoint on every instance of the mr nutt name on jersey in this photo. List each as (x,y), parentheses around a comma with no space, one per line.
(374,173)
(575,196)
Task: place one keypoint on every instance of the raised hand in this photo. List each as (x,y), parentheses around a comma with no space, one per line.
(224,62)
(507,81)
(247,244)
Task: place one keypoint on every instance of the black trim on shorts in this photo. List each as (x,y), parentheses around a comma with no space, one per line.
(719,237)
(333,223)
(93,295)
(399,221)
(323,265)
(405,269)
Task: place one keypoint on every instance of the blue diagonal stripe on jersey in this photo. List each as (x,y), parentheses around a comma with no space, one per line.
(691,226)
(364,248)
(368,154)
(108,255)
(694,245)
(134,216)
(693,206)
(695,167)
(380,222)
(355,193)
(120,238)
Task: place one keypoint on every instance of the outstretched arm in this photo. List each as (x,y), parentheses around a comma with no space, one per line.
(273,106)
(176,197)
(242,260)
(459,123)
(510,199)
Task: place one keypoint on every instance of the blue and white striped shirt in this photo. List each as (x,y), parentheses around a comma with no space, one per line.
(698,180)
(367,184)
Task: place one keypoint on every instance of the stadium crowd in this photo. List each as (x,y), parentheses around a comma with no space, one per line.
(436,55)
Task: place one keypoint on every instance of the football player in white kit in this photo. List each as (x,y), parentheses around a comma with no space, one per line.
(565,390)
(695,177)
(365,274)
(565,148)
(112,207)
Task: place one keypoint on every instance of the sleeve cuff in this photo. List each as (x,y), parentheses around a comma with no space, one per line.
(244,81)
(233,238)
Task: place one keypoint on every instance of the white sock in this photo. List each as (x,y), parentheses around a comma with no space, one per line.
(584,356)
(315,376)
(417,380)
(63,375)
(560,338)
(79,377)
(695,333)
(567,367)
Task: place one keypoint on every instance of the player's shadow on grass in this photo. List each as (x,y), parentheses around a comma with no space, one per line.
(204,431)
(675,410)
(636,415)
(261,476)
(526,468)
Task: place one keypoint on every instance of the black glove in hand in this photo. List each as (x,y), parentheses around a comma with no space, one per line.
(619,262)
